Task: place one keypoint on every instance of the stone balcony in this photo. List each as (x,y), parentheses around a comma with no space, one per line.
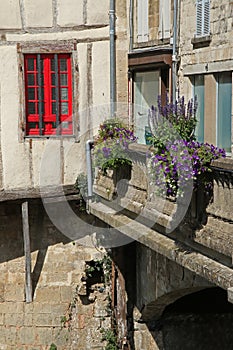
(196,233)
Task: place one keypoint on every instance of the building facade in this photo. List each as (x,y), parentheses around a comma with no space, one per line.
(55,89)
(54,67)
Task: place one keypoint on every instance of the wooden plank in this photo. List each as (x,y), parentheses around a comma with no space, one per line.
(50,191)
(27,252)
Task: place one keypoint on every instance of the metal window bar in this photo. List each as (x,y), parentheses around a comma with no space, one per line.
(58,126)
(40,94)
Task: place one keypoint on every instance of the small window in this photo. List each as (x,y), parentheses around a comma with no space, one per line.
(202,18)
(48,94)
(146,91)
(142,21)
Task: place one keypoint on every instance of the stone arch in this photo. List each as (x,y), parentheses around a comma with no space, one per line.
(200,320)
(155,309)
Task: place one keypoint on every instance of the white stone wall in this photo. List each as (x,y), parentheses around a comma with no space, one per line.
(46,23)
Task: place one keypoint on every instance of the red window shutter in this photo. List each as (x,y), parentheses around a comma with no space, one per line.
(48,94)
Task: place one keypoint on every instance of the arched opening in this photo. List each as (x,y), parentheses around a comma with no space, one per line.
(201,320)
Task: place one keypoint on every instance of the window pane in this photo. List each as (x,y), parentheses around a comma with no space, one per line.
(31,63)
(42,80)
(31,79)
(31,94)
(53,107)
(63,79)
(146,90)
(63,64)
(199,92)
(64,108)
(42,93)
(53,64)
(53,77)
(53,93)
(31,108)
(224,111)
(64,94)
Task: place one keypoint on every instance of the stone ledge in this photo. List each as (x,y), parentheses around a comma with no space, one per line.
(223,164)
(194,261)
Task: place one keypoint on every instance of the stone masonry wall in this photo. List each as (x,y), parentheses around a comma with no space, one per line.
(59,313)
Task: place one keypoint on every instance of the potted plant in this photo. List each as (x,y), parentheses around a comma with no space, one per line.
(110,153)
(177,162)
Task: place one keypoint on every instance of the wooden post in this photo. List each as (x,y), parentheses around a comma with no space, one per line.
(27,252)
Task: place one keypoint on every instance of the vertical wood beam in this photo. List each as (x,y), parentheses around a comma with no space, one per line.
(27,252)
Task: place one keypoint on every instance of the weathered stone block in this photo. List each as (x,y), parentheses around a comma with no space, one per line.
(38,14)
(10,15)
(14,292)
(51,294)
(66,294)
(43,320)
(44,336)
(70,13)
(97,13)
(26,335)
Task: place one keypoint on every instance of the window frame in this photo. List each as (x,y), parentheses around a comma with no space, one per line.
(47,102)
(34,48)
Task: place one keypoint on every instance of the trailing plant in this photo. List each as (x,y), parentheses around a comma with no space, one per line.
(111,145)
(178,162)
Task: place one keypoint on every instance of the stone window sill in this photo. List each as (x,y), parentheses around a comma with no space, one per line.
(201,41)
(223,164)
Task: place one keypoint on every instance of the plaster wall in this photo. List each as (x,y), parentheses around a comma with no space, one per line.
(46,24)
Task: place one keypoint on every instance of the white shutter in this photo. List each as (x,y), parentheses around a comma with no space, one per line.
(142,20)
(206,19)
(202,17)
(199,18)
(164,19)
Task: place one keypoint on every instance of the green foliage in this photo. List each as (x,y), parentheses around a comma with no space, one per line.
(111,339)
(103,266)
(53,347)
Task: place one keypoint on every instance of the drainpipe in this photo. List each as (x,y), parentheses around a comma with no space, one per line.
(89,145)
(131,4)
(174,53)
(112,57)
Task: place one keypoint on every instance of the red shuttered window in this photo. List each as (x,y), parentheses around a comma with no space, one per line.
(48,92)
